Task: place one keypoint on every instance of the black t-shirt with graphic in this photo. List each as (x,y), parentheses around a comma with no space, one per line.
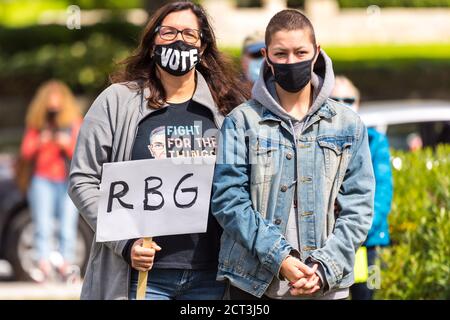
(180,130)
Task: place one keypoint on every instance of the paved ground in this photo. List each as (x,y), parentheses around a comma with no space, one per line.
(5,270)
(11,290)
(31,291)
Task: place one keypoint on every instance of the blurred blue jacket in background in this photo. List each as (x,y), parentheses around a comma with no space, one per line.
(379,149)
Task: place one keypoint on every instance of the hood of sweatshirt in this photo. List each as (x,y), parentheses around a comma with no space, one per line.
(322,81)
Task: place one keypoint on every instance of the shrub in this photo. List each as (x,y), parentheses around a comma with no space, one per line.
(393,3)
(84,66)
(417,264)
(14,40)
(83,58)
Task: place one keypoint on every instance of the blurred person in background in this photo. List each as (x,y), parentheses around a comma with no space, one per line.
(414,141)
(252,58)
(52,123)
(346,93)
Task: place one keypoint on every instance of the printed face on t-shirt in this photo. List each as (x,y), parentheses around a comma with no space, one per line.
(157,146)
(181,141)
(180,130)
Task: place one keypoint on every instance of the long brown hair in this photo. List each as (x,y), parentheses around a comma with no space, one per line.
(36,114)
(217,69)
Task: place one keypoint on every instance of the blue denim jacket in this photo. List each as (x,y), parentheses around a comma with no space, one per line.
(264,163)
(259,163)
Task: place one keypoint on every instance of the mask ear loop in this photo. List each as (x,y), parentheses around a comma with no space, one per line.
(152,55)
(316,53)
(269,63)
(200,54)
(314,57)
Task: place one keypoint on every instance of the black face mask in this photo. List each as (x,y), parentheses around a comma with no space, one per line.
(292,77)
(51,115)
(177,58)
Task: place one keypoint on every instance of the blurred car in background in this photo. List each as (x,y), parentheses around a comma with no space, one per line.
(16,228)
(409,124)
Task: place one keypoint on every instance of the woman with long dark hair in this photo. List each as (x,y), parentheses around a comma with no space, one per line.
(176,82)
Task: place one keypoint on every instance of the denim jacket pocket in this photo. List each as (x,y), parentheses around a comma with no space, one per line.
(262,160)
(334,150)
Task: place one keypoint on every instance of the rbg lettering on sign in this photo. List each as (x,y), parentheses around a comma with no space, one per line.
(157,197)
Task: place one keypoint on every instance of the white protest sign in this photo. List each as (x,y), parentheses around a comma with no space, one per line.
(155,197)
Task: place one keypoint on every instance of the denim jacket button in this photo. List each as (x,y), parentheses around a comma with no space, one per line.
(289,156)
(277,221)
(284,188)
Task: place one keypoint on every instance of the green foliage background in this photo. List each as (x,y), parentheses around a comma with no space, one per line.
(417,264)
(380,3)
(84,58)
(394,3)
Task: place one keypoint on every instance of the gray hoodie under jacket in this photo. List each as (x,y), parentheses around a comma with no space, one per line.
(322,81)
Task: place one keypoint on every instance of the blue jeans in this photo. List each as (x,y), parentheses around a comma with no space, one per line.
(179,284)
(49,200)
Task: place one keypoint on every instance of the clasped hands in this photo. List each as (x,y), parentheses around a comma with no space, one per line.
(303,279)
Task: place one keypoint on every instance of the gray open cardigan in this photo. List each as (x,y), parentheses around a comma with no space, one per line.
(107,135)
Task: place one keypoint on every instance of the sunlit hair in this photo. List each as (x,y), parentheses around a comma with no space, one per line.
(218,70)
(37,111)
(289,19)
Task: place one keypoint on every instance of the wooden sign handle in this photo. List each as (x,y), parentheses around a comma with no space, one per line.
(142,280)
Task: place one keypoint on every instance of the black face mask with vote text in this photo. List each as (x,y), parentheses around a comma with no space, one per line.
(177,58)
